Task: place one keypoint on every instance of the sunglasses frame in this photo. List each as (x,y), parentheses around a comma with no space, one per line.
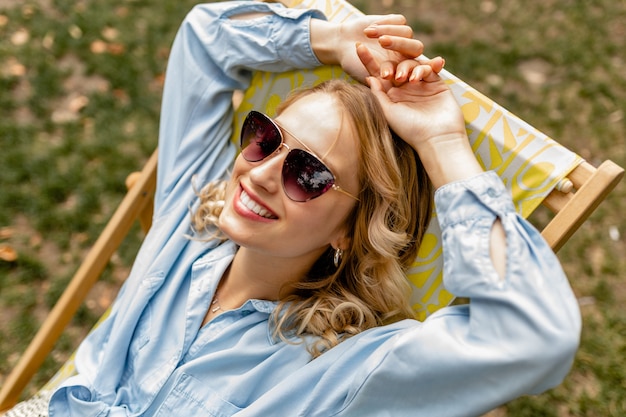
(279,128)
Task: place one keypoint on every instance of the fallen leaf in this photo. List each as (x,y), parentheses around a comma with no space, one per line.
(35,240)
(98,46)
(75,32)
(28,11)
(121,95)
(20,37)
(76,104)
(48,40)
(7,253)
(6,232)
(109,33)
(122,11)
(15,68)
(116,48)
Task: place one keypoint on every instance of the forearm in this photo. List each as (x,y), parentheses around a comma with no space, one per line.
(325,41)
(216,51)
(448,159)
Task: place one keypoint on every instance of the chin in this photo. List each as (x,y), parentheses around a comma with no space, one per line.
(230,227)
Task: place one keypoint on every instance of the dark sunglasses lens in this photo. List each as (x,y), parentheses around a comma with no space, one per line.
(259,137)
(305,177)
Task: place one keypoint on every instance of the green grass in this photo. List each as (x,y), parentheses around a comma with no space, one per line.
(80,86)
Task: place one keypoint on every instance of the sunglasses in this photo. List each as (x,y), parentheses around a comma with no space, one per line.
(304,175)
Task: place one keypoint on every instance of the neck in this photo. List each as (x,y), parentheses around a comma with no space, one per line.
(253,275)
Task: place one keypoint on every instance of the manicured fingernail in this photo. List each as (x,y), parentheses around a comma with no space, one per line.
(371,30)
(384,41)
(399,75)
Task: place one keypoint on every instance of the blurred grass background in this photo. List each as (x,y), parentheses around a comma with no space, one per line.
(80,85)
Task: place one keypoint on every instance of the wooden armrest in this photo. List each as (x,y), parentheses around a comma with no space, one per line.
(590,187)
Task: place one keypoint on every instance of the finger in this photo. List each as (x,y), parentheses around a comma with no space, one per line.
(408,47)
(423,73)
(376,30)
(404,70)
(437,64)
(390,19)
(377,89)
(387,70)
(426,70)
(367,59)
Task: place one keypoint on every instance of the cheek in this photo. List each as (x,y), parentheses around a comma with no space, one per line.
(239,167)
(324,222)
(231,188)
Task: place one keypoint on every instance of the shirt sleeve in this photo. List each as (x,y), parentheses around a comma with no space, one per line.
(216,51)
(517,336)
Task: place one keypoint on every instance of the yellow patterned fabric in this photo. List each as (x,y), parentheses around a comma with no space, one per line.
(529,163)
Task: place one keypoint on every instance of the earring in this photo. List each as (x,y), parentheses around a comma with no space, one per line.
(337,257)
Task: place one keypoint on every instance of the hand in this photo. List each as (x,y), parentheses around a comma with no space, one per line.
(421,109)
(417,103)
(388,39)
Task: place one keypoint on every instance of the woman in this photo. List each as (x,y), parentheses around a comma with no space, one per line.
(295,303)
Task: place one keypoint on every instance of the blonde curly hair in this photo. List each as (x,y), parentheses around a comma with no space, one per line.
(369,288)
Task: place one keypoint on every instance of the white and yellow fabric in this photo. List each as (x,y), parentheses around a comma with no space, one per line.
(529,163)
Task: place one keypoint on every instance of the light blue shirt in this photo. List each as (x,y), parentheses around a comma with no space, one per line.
(152,357)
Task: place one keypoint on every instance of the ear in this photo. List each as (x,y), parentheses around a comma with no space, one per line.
(342,241)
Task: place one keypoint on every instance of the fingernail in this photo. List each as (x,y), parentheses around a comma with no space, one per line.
(384,41)
(399,75)
(370,29)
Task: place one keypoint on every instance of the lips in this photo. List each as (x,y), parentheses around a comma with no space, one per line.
(254,207)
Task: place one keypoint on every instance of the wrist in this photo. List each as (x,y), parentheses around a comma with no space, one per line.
(324,41)
(448,158)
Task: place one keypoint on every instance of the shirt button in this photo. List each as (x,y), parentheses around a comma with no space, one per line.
(491,192)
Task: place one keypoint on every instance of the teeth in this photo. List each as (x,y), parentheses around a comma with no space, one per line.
(251,205)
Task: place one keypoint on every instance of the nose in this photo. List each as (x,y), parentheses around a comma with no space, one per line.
(267,174)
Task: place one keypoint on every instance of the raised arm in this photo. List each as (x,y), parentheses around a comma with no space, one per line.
(216,51)
(421,109)
(521,330)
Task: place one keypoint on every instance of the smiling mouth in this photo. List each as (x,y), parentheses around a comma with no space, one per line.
(254,207)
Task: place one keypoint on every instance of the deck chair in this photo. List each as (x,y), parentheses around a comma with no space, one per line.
(536,169)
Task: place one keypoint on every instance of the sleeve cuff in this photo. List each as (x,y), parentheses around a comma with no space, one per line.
(483,195)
